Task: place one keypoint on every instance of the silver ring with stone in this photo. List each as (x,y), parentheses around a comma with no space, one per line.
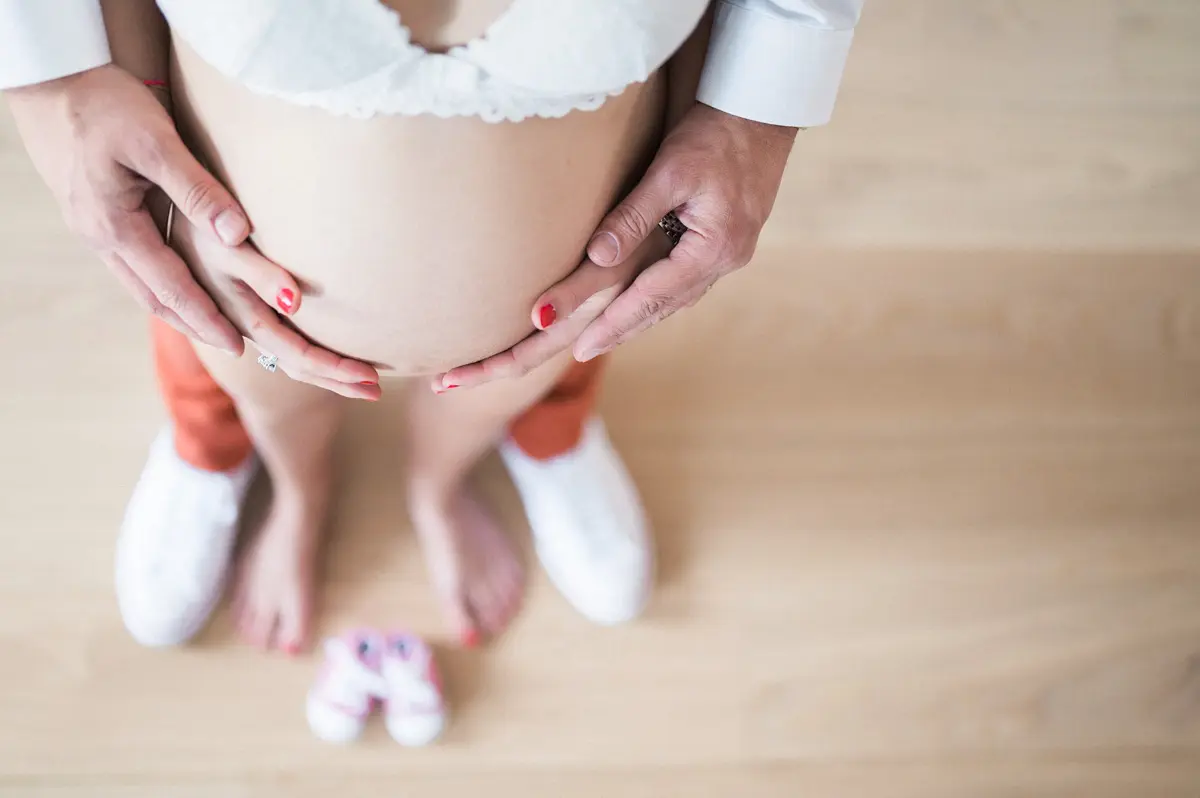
(268,362)
(674,228)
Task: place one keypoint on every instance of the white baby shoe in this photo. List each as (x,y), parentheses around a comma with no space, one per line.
(347,688)
(413,702)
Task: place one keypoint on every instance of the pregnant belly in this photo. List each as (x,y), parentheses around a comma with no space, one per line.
(420,243)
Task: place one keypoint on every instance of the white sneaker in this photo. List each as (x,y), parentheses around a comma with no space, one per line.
(175,544)
(589,528)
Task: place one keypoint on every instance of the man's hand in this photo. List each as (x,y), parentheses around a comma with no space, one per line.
(720,174)
(101,141)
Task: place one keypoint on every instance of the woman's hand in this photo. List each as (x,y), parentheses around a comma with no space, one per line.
(561,315)
(237,278)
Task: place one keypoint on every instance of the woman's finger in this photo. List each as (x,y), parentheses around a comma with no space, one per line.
(564,298)
(367,393)
(266,329)
(270,281)
(575,303)
(534,350)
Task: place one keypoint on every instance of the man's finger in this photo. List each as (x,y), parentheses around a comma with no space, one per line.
(658,292)
(172,283)
(165,161)
(144,296)
(270,333)
(631,222)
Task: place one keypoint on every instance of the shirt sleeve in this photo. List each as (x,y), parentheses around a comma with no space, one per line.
(779,61)
(42,40)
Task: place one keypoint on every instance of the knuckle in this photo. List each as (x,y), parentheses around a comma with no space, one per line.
(172,299)
(743,253)
(199,196)
(99,230)
(504,366)
(653,306)
(150,149)
(631,220)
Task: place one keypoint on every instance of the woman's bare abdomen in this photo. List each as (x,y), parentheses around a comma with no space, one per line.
(420,243)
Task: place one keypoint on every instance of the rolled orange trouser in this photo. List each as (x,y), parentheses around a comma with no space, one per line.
(210,436)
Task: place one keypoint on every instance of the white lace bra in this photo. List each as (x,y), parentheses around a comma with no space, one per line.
(356,58)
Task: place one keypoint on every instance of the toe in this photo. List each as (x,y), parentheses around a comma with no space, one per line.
(292,634)
(245,622)
(492,607)
(262,629)
(512,602)
(461,620)
(510,593)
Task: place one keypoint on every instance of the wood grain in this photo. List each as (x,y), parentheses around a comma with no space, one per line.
(925,479)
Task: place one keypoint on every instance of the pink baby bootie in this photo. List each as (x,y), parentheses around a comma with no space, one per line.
(365,668)
(414,706)
(347,687)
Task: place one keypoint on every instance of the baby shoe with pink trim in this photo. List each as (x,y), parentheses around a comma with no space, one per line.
(347,687)
(416,711)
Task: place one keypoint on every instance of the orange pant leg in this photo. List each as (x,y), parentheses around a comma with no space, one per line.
(208,433)
(554,425)
(210,436)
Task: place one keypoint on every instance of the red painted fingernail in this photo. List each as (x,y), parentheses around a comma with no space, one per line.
(368,382)
(547,316)
(292,649)
(286,300)
(470,638)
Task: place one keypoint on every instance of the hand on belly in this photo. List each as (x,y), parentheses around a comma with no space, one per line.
(420,243)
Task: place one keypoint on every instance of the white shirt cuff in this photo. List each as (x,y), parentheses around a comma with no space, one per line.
(774,71)
(42,40)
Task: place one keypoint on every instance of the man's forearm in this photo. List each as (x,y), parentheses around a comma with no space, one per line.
(42,40)
(138,38)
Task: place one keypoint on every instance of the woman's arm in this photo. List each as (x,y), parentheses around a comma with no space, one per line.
(684,70)
(140,42)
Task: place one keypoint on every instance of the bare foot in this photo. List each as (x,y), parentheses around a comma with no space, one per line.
(273,594)
(475,571)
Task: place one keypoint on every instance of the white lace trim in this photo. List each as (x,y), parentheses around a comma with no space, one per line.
(356,58)
(444,89)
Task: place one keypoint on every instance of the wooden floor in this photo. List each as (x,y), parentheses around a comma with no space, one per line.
(927,496)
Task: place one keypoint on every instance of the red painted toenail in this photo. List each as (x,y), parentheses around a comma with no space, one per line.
(470,638)
(547,316)
(286,300)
